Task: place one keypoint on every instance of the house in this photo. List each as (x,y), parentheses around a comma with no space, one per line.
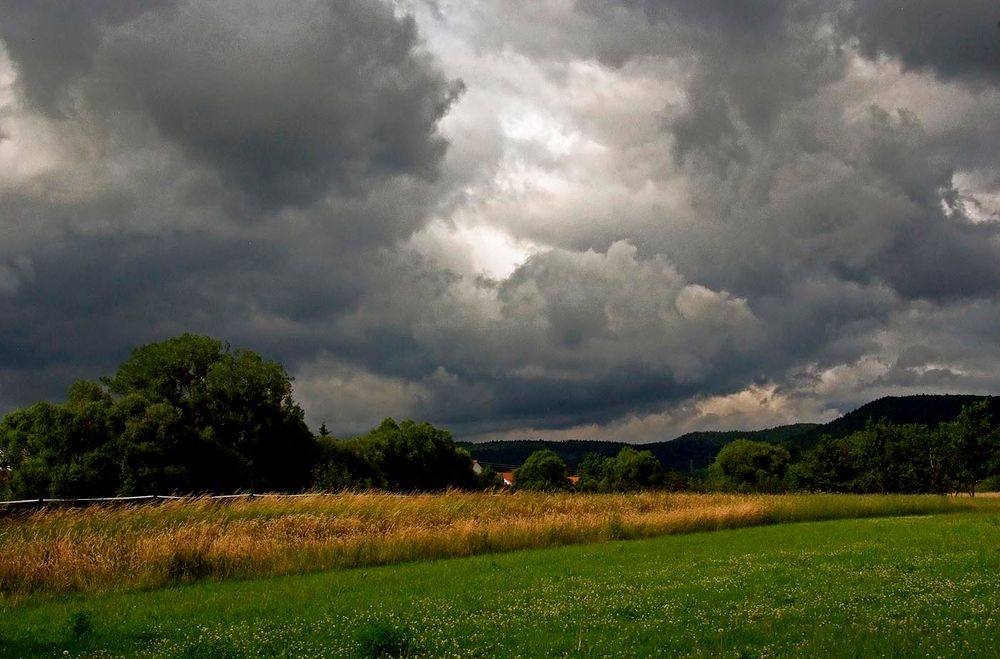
(508,479)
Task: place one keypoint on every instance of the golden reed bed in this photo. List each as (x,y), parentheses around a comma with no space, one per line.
(144,546)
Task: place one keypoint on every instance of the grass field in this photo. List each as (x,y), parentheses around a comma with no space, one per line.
(142,547)
(904,586)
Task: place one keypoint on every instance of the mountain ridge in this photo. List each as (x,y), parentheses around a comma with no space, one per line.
(696,450)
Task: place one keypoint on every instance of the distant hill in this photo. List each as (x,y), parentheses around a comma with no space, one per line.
(927,409)
(507,455)
(697,450)
(694,450)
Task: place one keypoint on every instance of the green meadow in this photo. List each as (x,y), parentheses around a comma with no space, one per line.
(899,586)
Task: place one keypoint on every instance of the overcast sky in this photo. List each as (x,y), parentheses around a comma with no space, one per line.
(594,219)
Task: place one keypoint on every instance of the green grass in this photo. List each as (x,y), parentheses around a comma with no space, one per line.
(904,586)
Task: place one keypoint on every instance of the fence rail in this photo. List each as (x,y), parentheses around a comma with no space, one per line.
(82,502)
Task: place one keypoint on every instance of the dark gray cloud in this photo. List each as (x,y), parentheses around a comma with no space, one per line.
(231,169)
(956,40)
(639,217)
(780,170)
(753,60)
(864,201)
(314,96)
(568,336)
(744,23)
(287,102)
(54,42)
(831,220)
(827,218)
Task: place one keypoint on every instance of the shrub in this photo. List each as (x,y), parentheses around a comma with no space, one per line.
(80,626)
(381,639)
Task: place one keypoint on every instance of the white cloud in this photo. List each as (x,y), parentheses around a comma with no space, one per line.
(472,250)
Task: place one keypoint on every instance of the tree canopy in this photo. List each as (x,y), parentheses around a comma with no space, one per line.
(745,465)
(403,457)
(543,470)
(187,414)
(886,457)
(974,445)
(629,471)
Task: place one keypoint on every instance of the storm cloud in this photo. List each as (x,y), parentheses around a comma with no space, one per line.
(949,40)
(617,220)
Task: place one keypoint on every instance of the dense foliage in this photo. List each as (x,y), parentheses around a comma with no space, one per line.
(881,458)
(190,414)
(748,466)
(543,471)
(886,457)
(403,457)
(187,414)
(929,410)
(629,471)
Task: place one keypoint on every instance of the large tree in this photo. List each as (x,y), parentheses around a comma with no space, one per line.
(745,465)
(884,457)
(187,414)
(975,445)
(227,416)
(628,471)
(633,470)
(542,470)
(404,457)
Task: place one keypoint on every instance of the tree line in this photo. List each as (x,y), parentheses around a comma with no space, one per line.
(914,458)
(883,458)
(192,415)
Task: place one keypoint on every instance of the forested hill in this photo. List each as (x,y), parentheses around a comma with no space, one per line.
(698,449)
(926,409)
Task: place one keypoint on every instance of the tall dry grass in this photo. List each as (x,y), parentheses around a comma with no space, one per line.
(134,547)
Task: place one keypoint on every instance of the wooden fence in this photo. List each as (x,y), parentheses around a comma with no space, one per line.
(20,505)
